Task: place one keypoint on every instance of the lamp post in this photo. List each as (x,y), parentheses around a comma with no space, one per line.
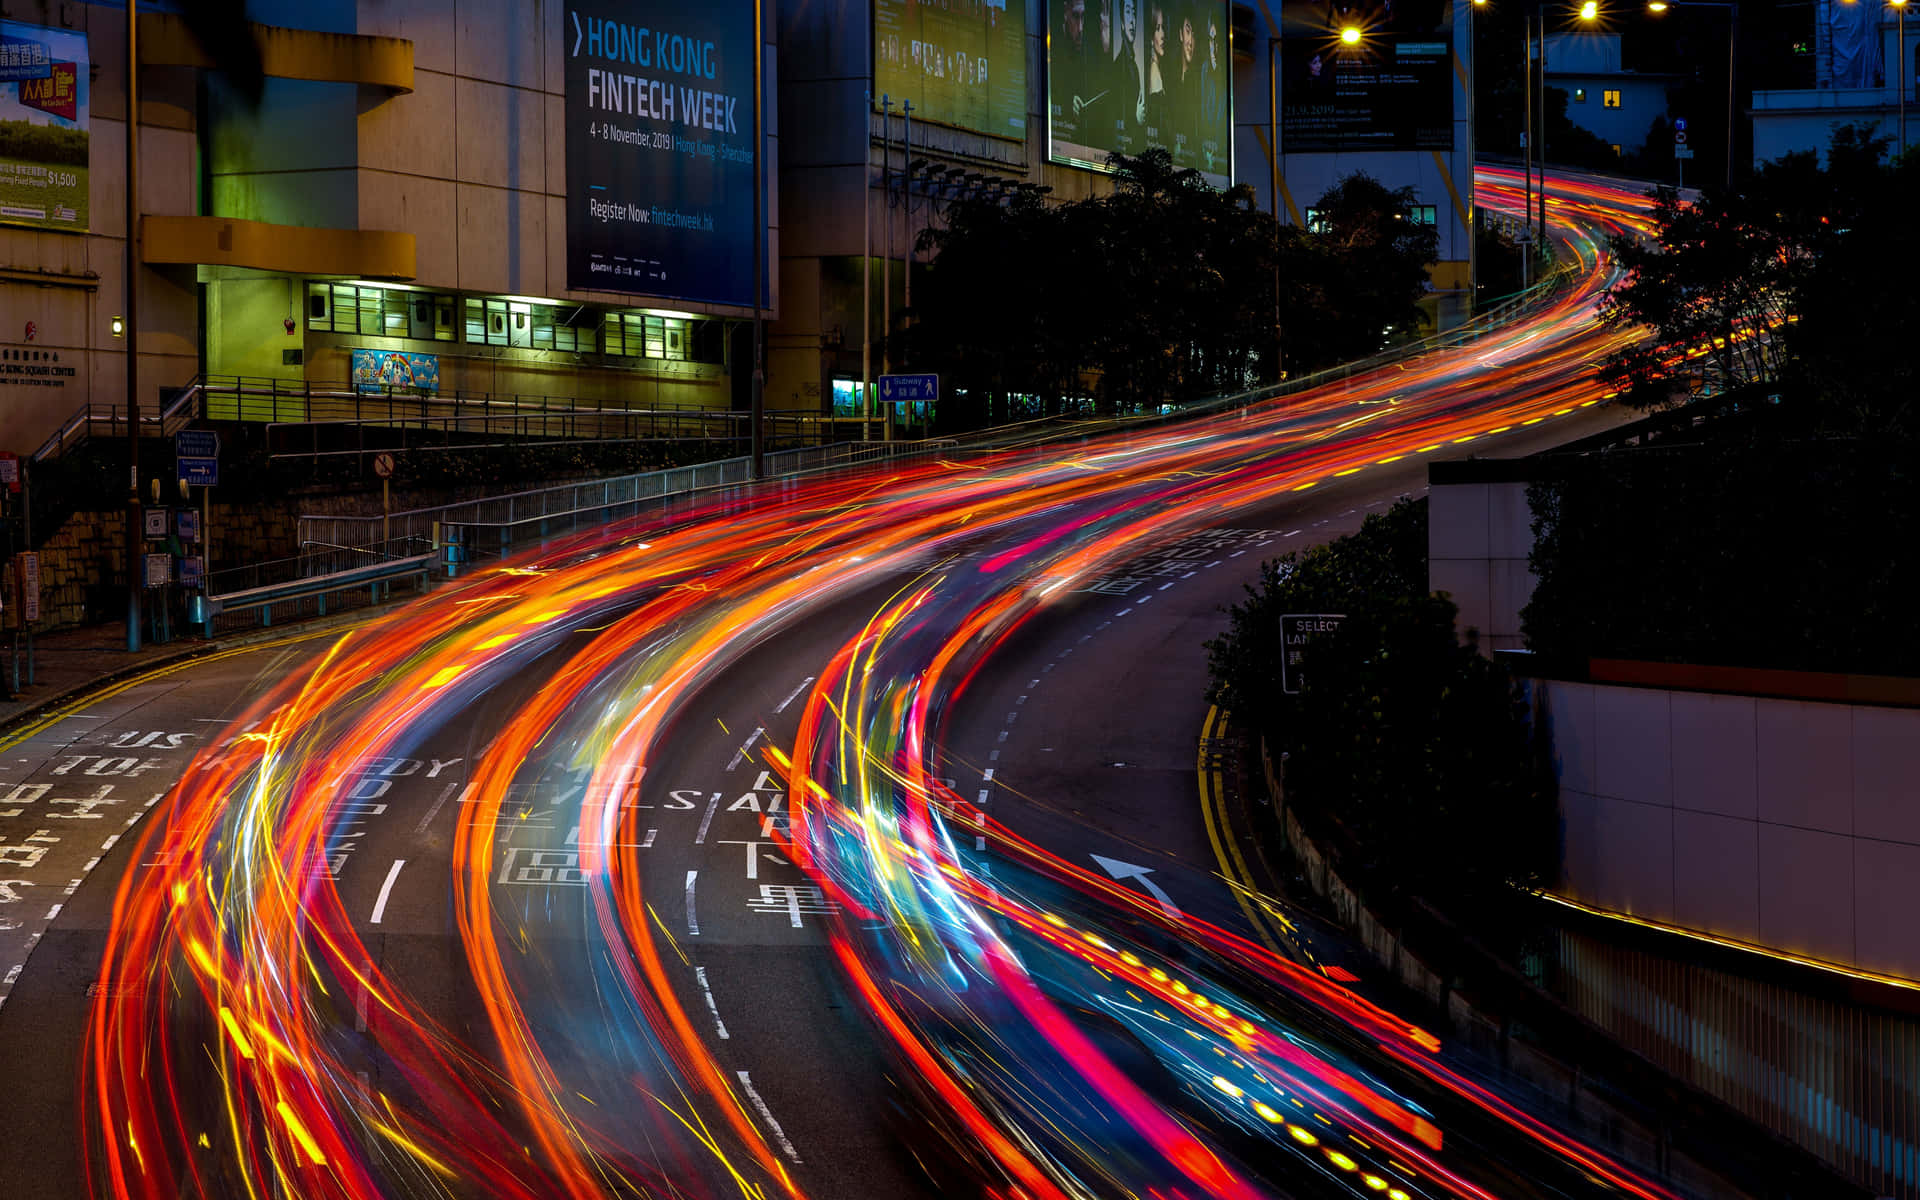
(1900,40)
(1273,187)
(1473,146)
(1656,7)
(135,535)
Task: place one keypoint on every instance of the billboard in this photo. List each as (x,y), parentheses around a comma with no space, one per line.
(43,127)
(1393,90)
(1128,75)
(395,370)
(961,62)
(659,111)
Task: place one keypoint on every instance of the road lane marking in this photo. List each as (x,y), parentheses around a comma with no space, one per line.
(386,889)
(700,973)
(700,839)
(1239,881)
(1126,870)
(693,922)
(796,694)
(741,754)
(420,830)
(766,1115)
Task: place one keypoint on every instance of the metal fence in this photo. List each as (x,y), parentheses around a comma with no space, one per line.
(502,522)
(1837,1076)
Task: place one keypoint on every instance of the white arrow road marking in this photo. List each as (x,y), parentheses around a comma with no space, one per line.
(1125,870)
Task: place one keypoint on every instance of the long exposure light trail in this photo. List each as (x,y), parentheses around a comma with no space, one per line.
(236,993)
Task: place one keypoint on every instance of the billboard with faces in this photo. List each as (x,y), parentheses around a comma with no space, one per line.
(1125,76)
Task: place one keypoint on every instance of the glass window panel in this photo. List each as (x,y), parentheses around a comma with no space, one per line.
(476,322)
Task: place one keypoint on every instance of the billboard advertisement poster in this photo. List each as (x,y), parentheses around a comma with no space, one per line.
(1126,76)
(961,62)
(395,370)
(659,112)
(43,127)
(1392,90)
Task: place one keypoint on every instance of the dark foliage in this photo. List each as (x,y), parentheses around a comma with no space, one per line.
(1417,746)
(1160,293)
(1757,550)
(1776,286)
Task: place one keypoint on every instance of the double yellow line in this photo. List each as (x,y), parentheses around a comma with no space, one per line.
(91,698)
(1271,928)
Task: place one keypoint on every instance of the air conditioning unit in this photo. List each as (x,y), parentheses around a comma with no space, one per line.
(317,306)
(496,322)
(423,308)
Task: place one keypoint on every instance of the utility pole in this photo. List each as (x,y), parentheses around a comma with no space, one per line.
(866,270)
(906,201)
(886,214)
(135,534)
(1526,145)
(1543,130)
(1273,190)
(757,447)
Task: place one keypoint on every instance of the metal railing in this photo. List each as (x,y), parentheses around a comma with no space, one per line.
(110,420)
(546,512)
(302,586)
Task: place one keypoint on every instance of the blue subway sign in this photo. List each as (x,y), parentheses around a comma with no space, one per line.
(909,389)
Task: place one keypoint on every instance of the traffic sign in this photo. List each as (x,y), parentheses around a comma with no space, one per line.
(383,465)
(1680,124)
(200,472)
(1683,151)
(196,443)
(1680,138)
(1296,631)
(909,389)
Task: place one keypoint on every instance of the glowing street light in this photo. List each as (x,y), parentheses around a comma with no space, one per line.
(1590,10)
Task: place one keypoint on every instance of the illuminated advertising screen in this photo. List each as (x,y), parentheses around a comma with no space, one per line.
(1392,89)
(659,110)
(1128,75)
(44,93)
(961,62)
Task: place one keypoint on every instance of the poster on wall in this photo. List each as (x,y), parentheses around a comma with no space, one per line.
(395,371)
(659,111)
(962,63)
(43,127)
(1392,90)
(1126,76)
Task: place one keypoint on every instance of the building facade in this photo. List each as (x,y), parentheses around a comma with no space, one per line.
(1865,62)
(410,203)
(1617,106)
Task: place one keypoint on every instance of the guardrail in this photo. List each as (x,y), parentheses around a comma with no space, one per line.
(573,506)
(294,596)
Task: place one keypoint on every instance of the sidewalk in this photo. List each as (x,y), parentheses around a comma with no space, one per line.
(71,662)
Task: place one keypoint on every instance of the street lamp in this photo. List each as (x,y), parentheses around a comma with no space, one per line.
(1350,35)
(1900,39)
(1656,7)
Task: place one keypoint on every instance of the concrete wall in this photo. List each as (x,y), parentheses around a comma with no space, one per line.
(1641,100)
(82,272)
(1478,539)
(1793,825)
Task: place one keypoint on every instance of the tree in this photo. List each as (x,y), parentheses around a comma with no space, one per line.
(1369,262)
(1720,278)
(1162,292)
(1416,746)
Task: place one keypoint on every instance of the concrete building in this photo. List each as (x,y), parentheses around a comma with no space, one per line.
(399,197)
(1861,67)
(395,212)
(1617,106)
(1425,114)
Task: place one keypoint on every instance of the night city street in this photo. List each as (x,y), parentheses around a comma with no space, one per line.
(964,598)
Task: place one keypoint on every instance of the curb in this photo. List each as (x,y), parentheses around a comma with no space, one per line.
(41,709)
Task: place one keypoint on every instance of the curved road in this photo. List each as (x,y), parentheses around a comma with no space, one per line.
(843,843)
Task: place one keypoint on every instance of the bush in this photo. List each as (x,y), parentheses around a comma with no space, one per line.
(1414,750)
